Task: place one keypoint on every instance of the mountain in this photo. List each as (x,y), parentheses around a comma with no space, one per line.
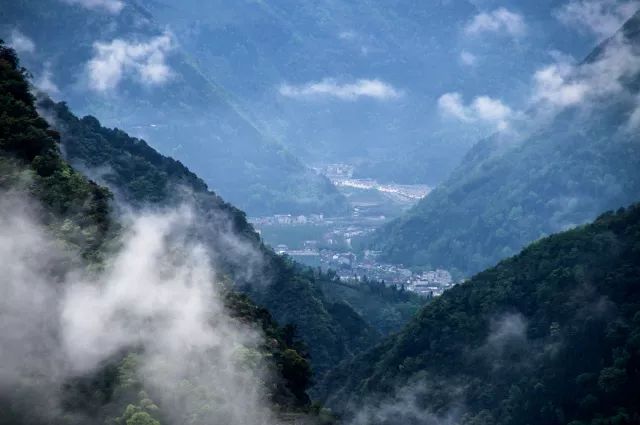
(298,68)
(334,322)
(321,327)
(124,67)
(78,216)
(510,190)
(145,179)
(549,336)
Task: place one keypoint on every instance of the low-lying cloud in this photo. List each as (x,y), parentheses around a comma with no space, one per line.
(110,6)
(145,61)
(499,21)
(564,84)
(483,109)
(468,58)
(45,82)
(157,295)
(330,88)
(21,43)
(602,18)
(410,404)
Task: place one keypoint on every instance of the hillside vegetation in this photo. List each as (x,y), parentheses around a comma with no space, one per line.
(550,336)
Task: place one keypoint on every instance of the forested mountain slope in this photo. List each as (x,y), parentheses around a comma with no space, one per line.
(132,73)
(510,191)
(39,188)
(550,336)
(325,318)
(74,207)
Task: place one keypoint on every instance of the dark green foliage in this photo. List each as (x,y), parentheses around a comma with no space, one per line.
(330,329)
(549,336)
(76,208)
(283,346)
(129,164)
(385,308)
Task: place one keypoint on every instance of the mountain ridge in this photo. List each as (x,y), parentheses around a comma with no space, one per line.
(507,193)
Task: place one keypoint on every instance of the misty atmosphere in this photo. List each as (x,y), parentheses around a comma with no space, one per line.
(366,212)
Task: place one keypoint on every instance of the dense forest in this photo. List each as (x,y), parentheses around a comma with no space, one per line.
(550,336)
(31,162)
(508,192)
(79,215)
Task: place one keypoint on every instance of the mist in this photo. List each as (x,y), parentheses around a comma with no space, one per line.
(157,297)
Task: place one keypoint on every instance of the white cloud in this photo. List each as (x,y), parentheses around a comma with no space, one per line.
(498,21)
(347,35)
(468,58)
(451,104)
(564,84)
(116,59)
(111,6)
(634,119)
(602,18)
(489,109)
(375,89)
(21,43)
(45,83)
(553,85)
(481,109)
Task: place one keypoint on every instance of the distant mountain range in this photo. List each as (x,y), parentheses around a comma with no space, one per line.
(359,82)
(331,81)
(123,66)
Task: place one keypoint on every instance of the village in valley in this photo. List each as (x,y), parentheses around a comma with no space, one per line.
(329,242)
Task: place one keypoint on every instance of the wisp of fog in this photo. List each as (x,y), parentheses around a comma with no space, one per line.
(155,296)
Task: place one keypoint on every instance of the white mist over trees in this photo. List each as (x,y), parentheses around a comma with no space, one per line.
(156,296)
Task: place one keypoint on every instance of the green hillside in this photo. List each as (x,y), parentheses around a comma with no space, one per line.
(550,336)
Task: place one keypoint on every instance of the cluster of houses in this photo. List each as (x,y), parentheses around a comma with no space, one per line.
(350,268)
(432,283)
(287,219)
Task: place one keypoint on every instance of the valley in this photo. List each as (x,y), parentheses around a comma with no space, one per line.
(333,243)
(319,212)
